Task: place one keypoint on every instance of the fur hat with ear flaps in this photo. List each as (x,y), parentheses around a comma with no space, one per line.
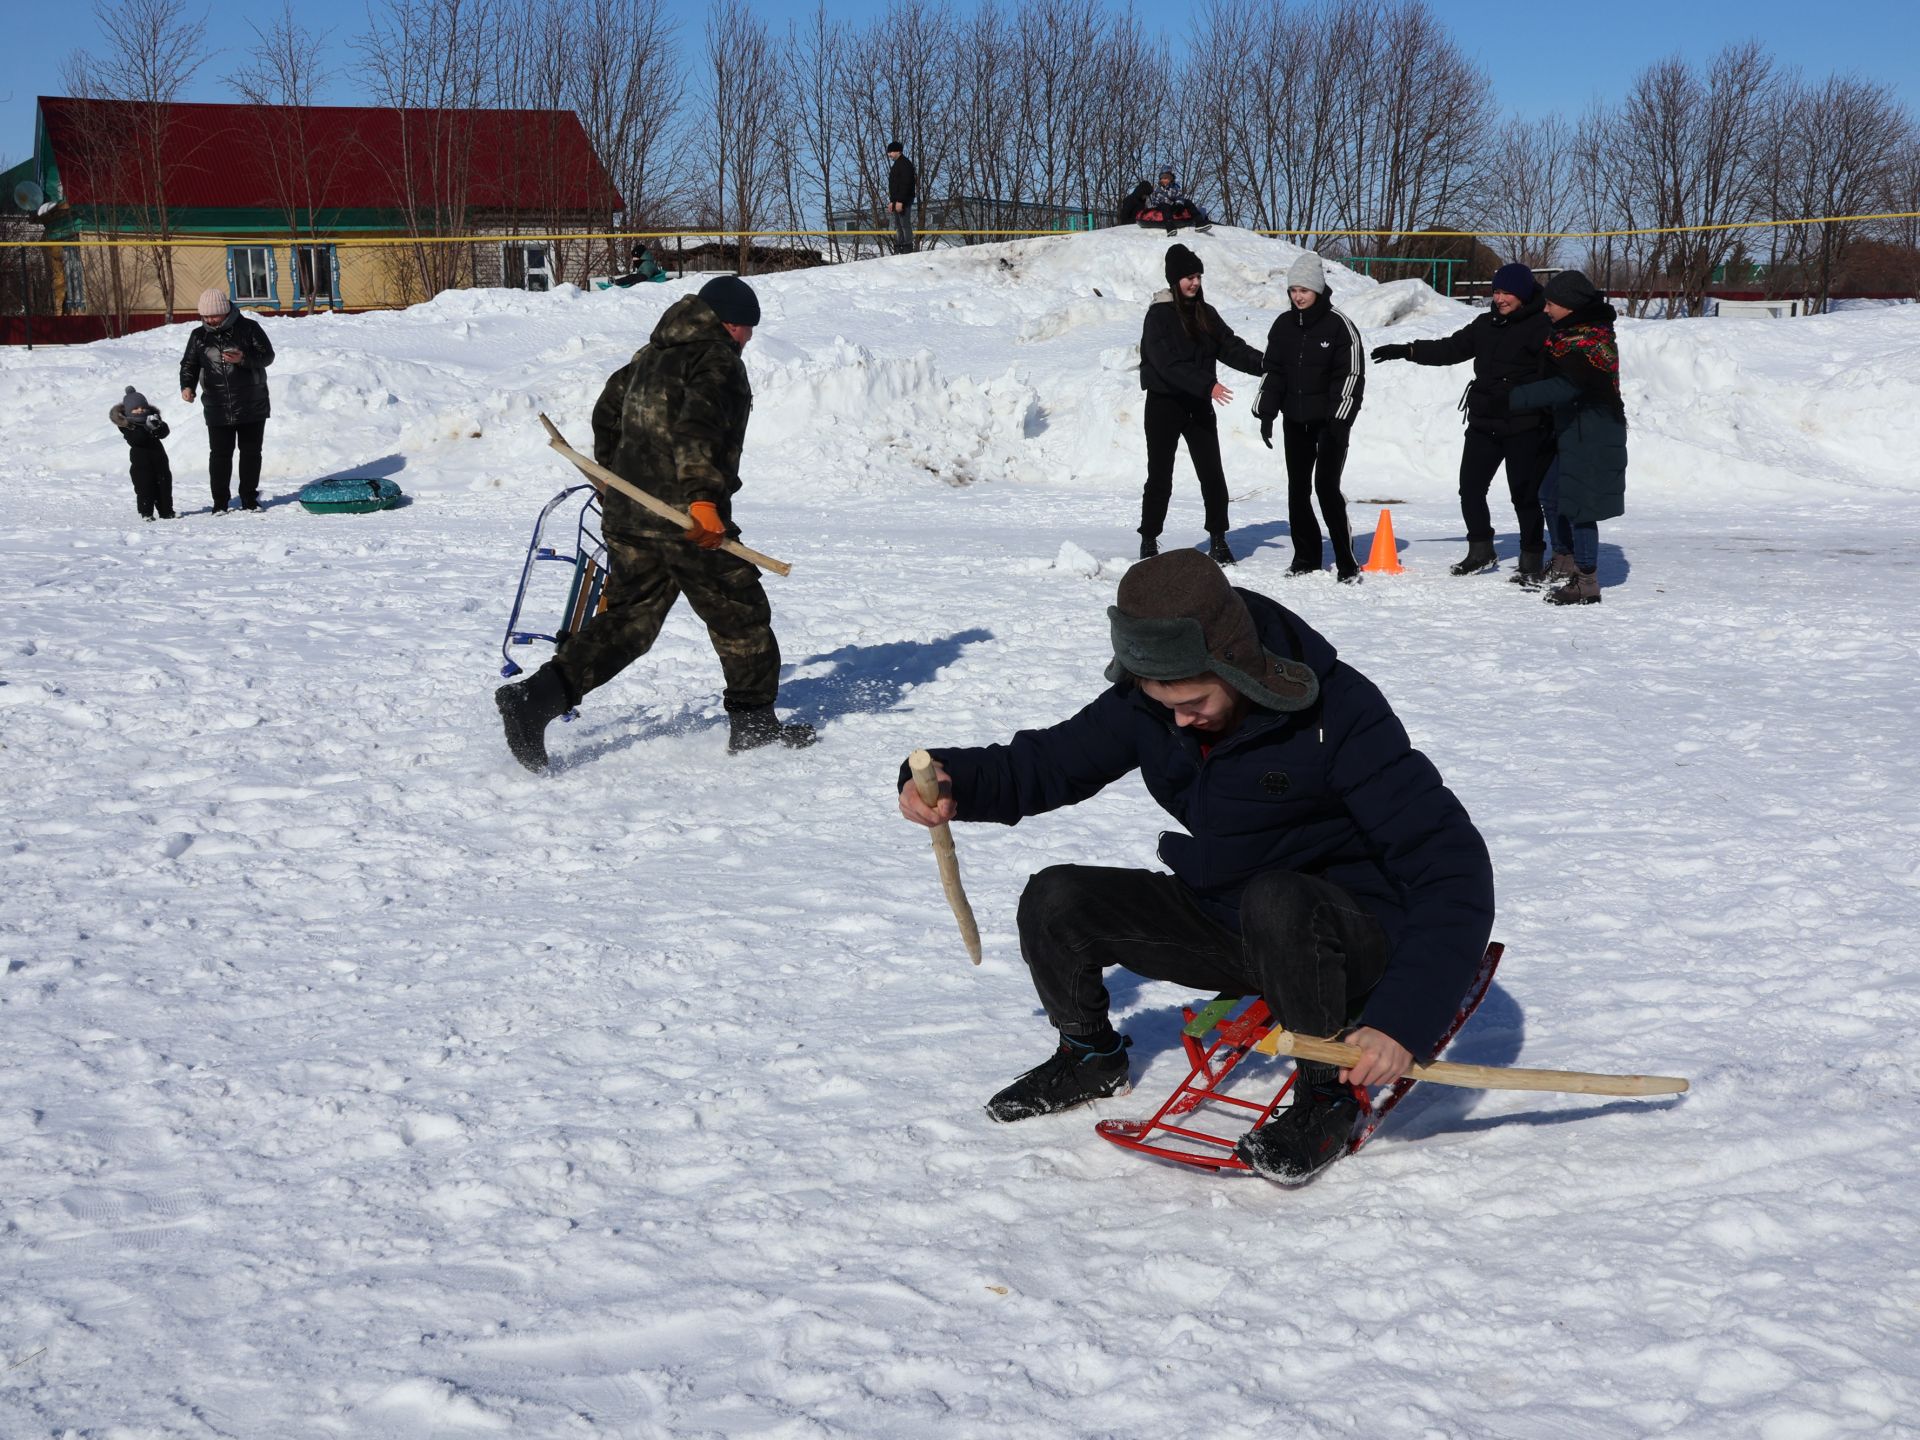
(1177,617)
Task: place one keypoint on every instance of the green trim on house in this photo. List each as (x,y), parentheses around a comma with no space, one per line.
(188,224)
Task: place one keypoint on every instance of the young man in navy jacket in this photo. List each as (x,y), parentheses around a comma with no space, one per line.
(1325,865)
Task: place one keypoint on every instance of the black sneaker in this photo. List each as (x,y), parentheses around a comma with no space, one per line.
(1073,1075)
(751,729)
(1305,1138)
(1349,577)
(1218,550)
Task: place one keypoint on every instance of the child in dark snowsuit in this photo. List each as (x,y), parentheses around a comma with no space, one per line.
(143,429)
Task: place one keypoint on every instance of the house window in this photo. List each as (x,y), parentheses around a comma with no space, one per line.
(316,275)
(527,267)
(250,274)
(73,265)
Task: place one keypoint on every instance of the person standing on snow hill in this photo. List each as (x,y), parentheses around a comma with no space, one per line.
(1325,865)
(1580,388)
(1316,379)
(1182,338)
(142,428)
(226,360)
(1504,345)
(672,422)
(903,187)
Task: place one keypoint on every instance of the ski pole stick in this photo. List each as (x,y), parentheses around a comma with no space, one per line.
(1479,1077)
(603,477)
(921,764)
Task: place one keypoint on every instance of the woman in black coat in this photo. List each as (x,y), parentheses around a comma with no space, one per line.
(1580,390)
(1316,379)
(226,361)
(1181,343)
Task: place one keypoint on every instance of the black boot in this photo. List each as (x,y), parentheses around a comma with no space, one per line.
(1533,568)
(1479,557)
(1218,550)
(527,707)
(1076,1073)
(750,729)
(1149,546)
(1309,1135)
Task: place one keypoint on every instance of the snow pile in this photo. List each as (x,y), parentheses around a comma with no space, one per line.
(360,1084)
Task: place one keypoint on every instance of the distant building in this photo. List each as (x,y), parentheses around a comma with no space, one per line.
(264,201)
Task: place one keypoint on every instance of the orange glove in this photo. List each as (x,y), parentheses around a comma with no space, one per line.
(706,531)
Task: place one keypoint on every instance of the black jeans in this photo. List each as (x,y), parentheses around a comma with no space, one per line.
(220,442)
(1316,453)
(903,231)
(1303,944)
(1526,454)
(1171,419)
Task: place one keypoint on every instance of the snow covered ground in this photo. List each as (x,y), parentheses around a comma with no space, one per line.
(357,1084)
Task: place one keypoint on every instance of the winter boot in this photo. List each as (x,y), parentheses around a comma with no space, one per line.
(1076,1073)
(1583,589)
(1562,567)
(1348,577)
(527,707)
(1309,1135)
(1479,557)
(1217,548)
(1149,546)
(1302,567)
(1532,569)
(750,729)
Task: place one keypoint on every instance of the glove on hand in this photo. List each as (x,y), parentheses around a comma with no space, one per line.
(706,531)
(1266,431)
(1383,353)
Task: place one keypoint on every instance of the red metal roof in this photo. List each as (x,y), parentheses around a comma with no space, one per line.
(534,162)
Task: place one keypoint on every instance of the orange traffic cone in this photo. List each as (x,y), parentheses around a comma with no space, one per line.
(1385,559)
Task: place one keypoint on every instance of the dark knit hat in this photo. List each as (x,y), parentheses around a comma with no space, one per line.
(894,148)
(1182,262)
(1571,289)
(1516,279)
(133,400)
(1177,617)
(732,299)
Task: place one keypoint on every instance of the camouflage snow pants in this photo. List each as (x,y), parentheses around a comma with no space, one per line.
(649,573)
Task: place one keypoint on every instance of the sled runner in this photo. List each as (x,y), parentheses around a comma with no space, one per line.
(586,564)
(1176,1130)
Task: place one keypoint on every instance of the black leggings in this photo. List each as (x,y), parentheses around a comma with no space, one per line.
(220,442)
(1316,455)
(1171,419)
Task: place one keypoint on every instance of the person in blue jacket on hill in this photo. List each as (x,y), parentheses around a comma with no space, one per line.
(1324,866)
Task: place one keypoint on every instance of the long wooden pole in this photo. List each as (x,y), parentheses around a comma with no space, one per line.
(603,477)
(921,764)
(1479,1077)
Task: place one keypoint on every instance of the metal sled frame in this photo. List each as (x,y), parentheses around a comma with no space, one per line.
(1174,1132)
(586,593)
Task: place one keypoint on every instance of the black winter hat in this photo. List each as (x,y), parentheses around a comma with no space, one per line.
(732,299)
(1177,616)
(894,148)
(1182,262)
(1572,290)
(133,400)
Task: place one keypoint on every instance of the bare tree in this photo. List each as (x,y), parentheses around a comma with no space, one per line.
(1529,190)
(153,49)
(626,89)
(744,104)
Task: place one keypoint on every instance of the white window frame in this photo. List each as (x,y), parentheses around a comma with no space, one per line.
(330,296)
(527,273)
(272,296)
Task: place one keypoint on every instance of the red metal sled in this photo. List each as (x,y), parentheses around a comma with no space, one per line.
(1234,1036)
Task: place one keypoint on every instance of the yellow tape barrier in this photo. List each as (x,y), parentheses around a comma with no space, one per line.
(492,237)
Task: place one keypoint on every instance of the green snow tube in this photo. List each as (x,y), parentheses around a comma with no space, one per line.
(349,495)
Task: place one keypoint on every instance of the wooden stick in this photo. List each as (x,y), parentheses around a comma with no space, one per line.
(921,764)
(1479,1077)
(603,477)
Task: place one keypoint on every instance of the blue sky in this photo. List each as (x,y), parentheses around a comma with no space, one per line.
(1539,62)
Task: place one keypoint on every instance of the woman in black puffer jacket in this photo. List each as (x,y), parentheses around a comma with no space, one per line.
(226,361)
(1181,343)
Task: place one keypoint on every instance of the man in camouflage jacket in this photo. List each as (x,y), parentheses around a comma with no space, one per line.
(671,421)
